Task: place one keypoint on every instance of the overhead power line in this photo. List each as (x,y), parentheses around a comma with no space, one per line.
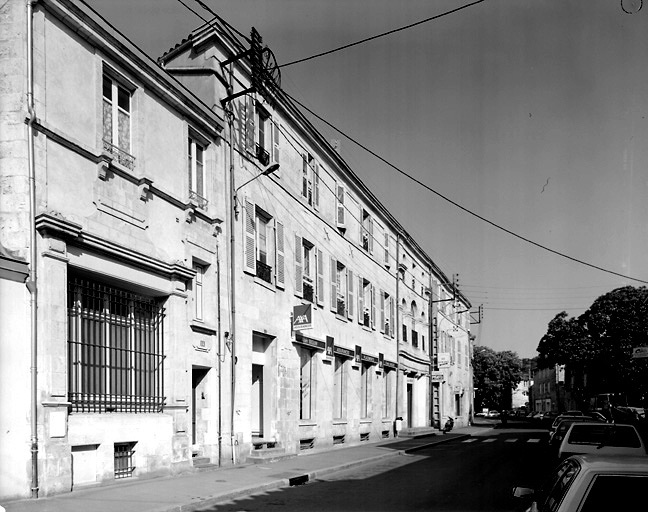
(463,208)
(371,38)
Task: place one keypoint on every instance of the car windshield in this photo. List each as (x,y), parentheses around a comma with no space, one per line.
(605,435)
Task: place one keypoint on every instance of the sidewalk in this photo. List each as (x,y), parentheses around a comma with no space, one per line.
(197,490)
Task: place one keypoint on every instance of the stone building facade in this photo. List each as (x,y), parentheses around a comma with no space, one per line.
(213,282)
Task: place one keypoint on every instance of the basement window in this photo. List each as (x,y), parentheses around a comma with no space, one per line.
(306,444)
(339,439)
(364,437)
(124,463)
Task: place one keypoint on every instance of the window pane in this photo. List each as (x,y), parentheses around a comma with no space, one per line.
(123,99)
(107,121)
(124,131)
(107,88)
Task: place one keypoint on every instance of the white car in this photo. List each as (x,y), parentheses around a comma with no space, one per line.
(601,438)
(589,483)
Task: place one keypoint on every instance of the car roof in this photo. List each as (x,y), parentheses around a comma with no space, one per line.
(616,463)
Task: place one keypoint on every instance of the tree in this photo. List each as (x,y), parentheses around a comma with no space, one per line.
(495,376)
(566,341)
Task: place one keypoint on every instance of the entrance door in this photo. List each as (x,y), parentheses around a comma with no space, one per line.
(410,408)
(197,400)
(257,400)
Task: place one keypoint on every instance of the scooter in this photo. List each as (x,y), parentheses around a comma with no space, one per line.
(448,425)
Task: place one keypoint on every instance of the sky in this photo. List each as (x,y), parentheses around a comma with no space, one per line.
(530,114)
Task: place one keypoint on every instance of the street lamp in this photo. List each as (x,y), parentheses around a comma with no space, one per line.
(272,167)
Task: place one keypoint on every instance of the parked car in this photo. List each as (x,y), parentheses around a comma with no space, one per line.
(588,483)
(601,438)
(493,414)
(564,417)
(596,415)
(558,434)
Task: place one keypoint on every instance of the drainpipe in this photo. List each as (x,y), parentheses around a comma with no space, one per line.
(31,283)
(232,272)
(431,344)
(398,325)
(220,351)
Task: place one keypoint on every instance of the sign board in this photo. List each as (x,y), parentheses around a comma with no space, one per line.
(443,359)
(390,365)
(309,342)
(437,376)
(329,347)
(639,352)
(366,358)
(358,355)
(343,352)
(302,317)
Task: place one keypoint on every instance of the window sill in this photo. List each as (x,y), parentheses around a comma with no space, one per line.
(340,422)
(307,423)
(366,421)
(341,318)
(265,284)
(202,327)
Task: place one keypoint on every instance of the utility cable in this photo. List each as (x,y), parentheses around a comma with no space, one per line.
(454,203)
(371,38)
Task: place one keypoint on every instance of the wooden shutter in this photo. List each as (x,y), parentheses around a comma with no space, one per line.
(381,300)
(275,141)
(350,297)
(360,300)
(320,277)
(249,124)
(340,206)
(371,232)
(386,262)
(280,259)
(249,222)
(299,276)
(316,200)
(392,320)
(373,306)
(333,274)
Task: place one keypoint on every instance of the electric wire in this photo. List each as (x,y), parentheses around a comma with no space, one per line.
(454,203)
(377,36)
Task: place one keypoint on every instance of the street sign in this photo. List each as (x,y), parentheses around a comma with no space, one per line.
(437,376)
(302,317)
(639,352)
(443,359)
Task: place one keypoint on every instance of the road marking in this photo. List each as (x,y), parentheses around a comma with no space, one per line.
(510,440)
(489,440)
(533,441)
(472,440)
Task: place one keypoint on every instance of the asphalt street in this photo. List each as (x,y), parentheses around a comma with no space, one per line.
(474,474)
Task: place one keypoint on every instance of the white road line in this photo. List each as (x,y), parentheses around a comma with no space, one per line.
(472,440)
(489,440)
(510,440)
(533,441)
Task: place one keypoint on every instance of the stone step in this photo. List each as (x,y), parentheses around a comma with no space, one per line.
(203,464)
(415,432)
(263,455)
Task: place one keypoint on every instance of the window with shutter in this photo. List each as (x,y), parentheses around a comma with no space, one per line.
(249,222)
(280,275)
(373,305)
(316,195)
(382,311)
(350,294)
(386,261)
(275,141)
(360,300)
(334,282)
(340,208)
(299,278)
(249,124)
(320,278)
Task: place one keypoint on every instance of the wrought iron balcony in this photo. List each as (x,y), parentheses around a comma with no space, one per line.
(262,155)
(308,292)
(263,271)
(123,158)
(198,200)
(341,307)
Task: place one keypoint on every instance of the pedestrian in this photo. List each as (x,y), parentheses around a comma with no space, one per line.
(504,417)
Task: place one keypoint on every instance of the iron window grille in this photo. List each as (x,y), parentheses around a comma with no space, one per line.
(264,271)
(115,349)
(262,155)
(124,464)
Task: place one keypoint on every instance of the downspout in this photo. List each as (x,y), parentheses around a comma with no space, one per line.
(32,282)
(431,344)
(219,353)
(398,325)
(232,283)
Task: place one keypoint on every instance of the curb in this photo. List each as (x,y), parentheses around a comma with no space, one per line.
(303,478)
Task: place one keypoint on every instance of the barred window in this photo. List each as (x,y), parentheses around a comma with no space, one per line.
(116,349)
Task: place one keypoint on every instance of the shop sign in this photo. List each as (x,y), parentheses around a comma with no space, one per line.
(437,376)
(366,358)
(443,359)
(310,342)
(639,352)
(344,352)
(391,365)
(302,317)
